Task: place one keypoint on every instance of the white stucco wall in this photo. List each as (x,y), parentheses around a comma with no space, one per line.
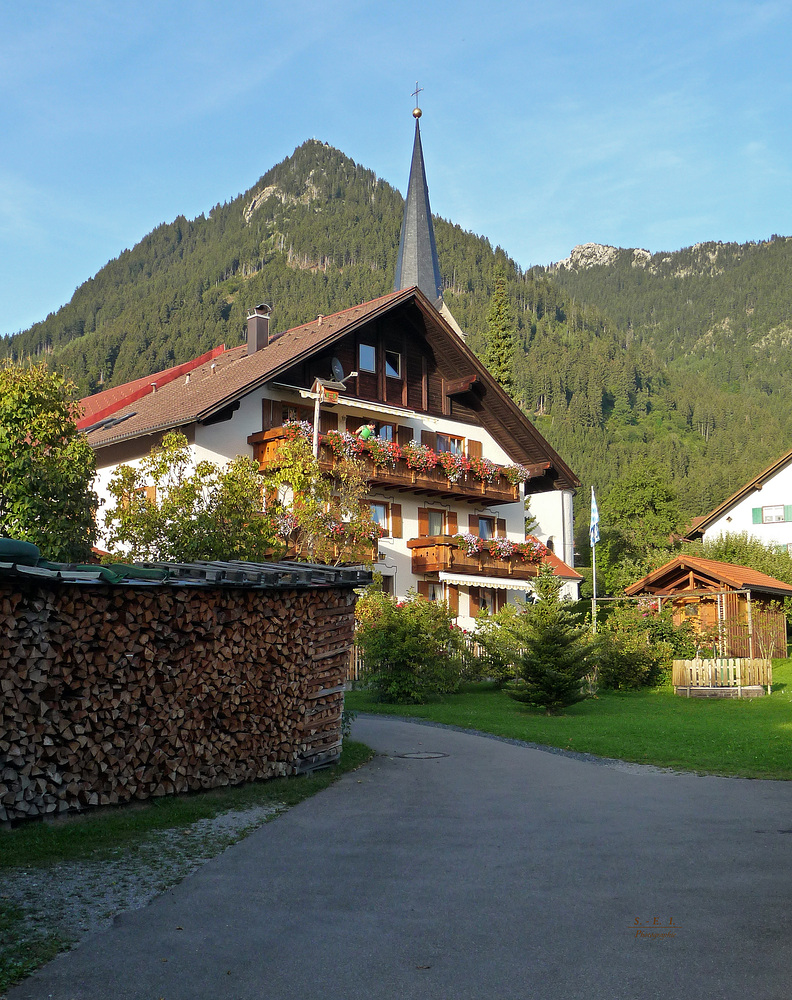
(775,492)
(223,441)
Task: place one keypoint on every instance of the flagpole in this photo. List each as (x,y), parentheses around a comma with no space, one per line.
(594,538)
(594,580)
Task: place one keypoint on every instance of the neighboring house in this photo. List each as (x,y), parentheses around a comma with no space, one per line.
(415,380)
(762,508)
(737,609)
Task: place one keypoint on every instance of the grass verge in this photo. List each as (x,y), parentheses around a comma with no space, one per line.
(27,942)
(749,738)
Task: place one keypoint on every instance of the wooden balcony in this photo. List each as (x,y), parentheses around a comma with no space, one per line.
(440,554)
(401,477)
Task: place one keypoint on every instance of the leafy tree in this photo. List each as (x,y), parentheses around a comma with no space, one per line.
(638,519)
(324,519)
(499,356)
(168,510)
(411,648)
(556,651)
(46,465)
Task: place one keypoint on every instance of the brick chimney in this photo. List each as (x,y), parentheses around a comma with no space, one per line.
(258,328)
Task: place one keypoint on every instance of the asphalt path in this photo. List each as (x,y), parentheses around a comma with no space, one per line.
(478,869)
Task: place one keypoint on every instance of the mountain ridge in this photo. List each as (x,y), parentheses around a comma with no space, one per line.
(675,360)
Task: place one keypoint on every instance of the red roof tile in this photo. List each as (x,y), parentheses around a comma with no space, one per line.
(732,576)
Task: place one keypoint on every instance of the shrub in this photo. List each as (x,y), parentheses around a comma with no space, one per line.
(637,643)
(411,648)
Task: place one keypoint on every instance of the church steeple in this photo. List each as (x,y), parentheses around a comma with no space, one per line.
(417,263)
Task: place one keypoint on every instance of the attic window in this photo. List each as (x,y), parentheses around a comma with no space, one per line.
(392,364)
(367,361)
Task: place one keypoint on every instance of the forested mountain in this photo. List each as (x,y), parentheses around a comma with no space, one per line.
(677,360)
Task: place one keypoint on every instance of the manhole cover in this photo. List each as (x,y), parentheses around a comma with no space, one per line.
(422,755)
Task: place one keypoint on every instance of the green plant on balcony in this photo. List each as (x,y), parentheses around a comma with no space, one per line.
(471,544)
(484,469)
(531,550)
(297,428)
(454,465)
(516,474)
(419,457)
(382,453)
(501,548)
(342,444)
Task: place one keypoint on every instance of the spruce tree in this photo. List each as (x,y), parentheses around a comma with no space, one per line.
(499,357)
(556,650)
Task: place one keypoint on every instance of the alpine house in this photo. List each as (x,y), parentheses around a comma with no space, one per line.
(399,366)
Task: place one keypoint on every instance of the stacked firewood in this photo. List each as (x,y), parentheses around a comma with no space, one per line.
(109,694)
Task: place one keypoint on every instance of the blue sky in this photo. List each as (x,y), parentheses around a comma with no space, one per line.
(545,125)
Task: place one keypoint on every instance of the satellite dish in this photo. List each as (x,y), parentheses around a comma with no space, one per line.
(338,370)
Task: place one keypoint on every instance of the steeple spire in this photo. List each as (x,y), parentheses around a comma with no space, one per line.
(417,263)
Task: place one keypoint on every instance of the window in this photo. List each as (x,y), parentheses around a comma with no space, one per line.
(379,514)
(435,592)
(367,358)
(454,445)
(486,527)
(436,522)
(487,601)
(293,412)
(772,515)
(392,364)
(386,432)
(388,516)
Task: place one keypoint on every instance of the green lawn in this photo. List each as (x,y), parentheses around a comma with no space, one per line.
(750,738)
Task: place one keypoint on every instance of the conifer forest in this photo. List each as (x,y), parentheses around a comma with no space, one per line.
(676,362)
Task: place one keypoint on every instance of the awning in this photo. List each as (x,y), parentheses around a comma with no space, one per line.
(497,582)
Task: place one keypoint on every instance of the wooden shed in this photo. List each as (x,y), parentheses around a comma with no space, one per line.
(738,609)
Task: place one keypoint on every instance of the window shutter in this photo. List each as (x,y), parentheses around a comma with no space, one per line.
(423,522)
(429,438)
(404,435)
(475,603)
(328,421)
(500,599)
(423,588)
(756,514)
(500,529)
(474,449)
(267,414)
(396,520)
(451,523)
(453,599)
(151,493)
(473,524)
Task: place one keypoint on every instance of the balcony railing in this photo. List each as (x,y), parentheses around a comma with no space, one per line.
(400,476)
(441,554)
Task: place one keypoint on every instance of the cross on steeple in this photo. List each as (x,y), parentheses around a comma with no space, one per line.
(416,92)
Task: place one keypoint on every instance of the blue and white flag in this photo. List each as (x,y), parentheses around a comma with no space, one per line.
(594,534)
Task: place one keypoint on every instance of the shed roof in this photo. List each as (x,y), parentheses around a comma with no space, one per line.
(706,574)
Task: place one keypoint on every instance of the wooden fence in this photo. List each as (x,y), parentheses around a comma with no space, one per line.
(737,672)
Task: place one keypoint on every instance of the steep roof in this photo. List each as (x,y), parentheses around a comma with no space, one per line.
(219,383)
(417,263)
(700,524)
(674,577)
(223,378)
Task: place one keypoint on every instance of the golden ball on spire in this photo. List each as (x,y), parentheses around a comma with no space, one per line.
(417,113)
